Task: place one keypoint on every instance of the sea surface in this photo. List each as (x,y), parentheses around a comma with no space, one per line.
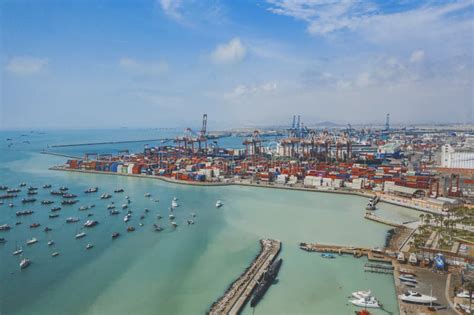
(182,270)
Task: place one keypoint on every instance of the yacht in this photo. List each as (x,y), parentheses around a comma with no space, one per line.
(219,204)
(80,235)
(369,302)
(55,254)
(174,204)
(24,263)
(91,223)
(32,241)
(415,297)
(401,257)
(18,251)
(361,294)
(89,246)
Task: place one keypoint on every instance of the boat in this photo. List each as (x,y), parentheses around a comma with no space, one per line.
(415,297)
(28,200)
(63,188)
(147,195)
(147,210)
(130,229)
(22,184)
(193,214)
(72,220)
(18,223)
(464,294)
(326,255)
(69,202)
(4,227)
(53,215)
(190,222)
(34,225)
(174,224)
(363,312)
(80,235)
(56,193)
(401,257)
(69,196)
(219,204)
(361,294)
(120,190)
(174,204)
(47,229)
(46,186)
(111,206)
(124,206)
(91,190)
(32,241)
(13,190)
(32,192)
(126,218)
(175,199)
(18,251)
(2,240)
(105,196)
(89,246)
(157,228)
(115,235)
(369,302)
(112,212)
(11,205)
(407,278)
(55,209)
(266,281)
(90,223)
(55,254)
(24,263)
(8,196)
(413,259)
(47,202)
(24,212)
(50,243)
(83,208)
(32,188)
(3,187)
(171,216)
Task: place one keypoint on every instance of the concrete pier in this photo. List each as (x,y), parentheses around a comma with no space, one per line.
(372,255)
(108,142)
(235,298)
(370,216)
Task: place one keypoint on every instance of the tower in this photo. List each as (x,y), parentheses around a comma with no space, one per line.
(387,122)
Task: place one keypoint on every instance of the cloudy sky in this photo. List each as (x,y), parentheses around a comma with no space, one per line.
(163,63)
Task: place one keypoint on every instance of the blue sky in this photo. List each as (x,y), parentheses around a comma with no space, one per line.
(155,63)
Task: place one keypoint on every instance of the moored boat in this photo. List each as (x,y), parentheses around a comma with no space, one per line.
(415,297)
(24,263)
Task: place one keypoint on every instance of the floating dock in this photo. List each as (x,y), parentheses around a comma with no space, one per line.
(239,292)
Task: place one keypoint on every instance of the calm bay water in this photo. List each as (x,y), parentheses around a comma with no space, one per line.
(178,271)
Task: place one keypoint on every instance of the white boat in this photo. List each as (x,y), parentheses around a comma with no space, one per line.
(55,254)
(464,294)
(174,224)
(80,235)
(171,216)
(175,199)
(50,243)
(90,223)
(111,206)
(369,302)
(219,204)
(415,297)
(413,259)
(407,278)
(147,195)
(18,251)
(89,246)
(126,218)
(124,206)
(361,294)
(32,241)
(174,204)
(401,257)
(24,263)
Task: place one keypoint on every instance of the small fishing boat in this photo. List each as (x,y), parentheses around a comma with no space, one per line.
(55,254)
(126,218)
(83,208)
(115,235)
(69,202)
(50,243)
(28,200)
(113,212)
(89,246)
(47,229)
(24,212)
(46,186)
(111,206)
(34,225)
(90,223)
(91,190)
(329,256)
(32,241)
(130,229)
(157,228)
(219,204)
(47,202)
(24,263)
(4,227)
(147,195)
(3,240)
(369,302)
(105,196)
(22,184)
(11,205)
(53,215)
(18,251)
(80,235)
(72,220)
(190,222)
(171,216)
(56,209)
(63,188)
(69,196)
(56,193)
(120,190)
(124,206)
(174,204)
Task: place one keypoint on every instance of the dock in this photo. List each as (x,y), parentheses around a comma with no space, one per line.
(372,254)
(370,216)
(108,142)
(240,291)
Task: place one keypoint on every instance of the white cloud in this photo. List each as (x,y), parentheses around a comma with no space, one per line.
(143,67)
(24,66)
(246,90)
(230,52)
(417,56)
(171,8)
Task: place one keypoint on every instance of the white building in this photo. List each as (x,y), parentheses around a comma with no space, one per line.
(457,158)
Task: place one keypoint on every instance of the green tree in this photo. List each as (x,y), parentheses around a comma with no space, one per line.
(469,286)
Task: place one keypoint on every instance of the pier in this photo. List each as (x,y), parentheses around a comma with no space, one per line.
(239,292)
(370,216)
(107,142)
(372,254)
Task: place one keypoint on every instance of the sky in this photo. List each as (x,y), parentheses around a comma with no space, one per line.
(164,63)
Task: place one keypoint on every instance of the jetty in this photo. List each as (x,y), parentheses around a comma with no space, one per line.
(370,216)
(107,142)
(239,292)
(372,254)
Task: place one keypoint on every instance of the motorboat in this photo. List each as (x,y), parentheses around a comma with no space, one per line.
(464,294)
(127,197)
(72,220)
(56,193)
(412,259)
(89,246)
(120,190)
(22,184)
(24,263)
(50,243)
(124,206)
(80,235)
(105,196)
(55,254)
(34,225)
(401,257)
(54,209)
(171,216)
(415,297)
(141,224)
(147,195)
(4,227)
(111,206)
(115,235)
(32,241)
(369,302)
(361,294)
(112,212)
(53,215)
(219,204)
(326,255)
(18,251)
(126,218)
(407,278)
(46,186)
(32,192)
(90,223)
(174,224)
(130,229)
(83,208)
(190,222)
(63,188)
(91,190)
(174,204)
(11,205)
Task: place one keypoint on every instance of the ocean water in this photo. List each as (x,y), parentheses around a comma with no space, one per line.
(177,271)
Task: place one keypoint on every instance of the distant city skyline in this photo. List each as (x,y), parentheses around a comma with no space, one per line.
(163,63)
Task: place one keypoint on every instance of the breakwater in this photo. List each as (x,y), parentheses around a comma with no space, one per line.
(239,292)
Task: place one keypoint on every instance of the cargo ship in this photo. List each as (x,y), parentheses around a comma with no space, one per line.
(266,281)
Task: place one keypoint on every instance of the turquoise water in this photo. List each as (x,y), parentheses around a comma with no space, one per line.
(178,271)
